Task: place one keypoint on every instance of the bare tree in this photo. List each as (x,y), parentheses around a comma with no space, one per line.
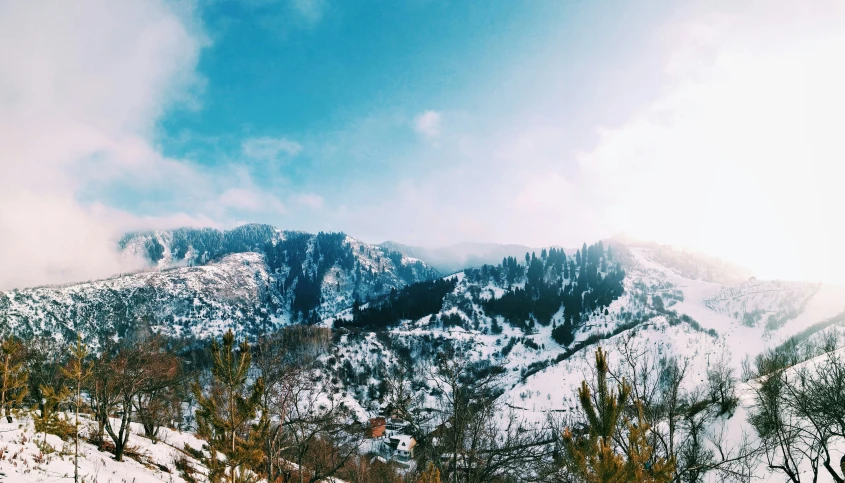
(815,393)
(121,375)
(779,429)
(403,402)
(282,375)
(679,419)
(721,382)
(320,434)
(471,440)
(157,402)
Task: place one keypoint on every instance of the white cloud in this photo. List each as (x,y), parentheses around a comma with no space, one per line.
(309,200)
(127,222)
(428,123)
(269,148)
(81,87)
(742,155)
(250,200)
(735,150)
(311,11)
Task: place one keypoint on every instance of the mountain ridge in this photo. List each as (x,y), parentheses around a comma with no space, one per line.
(460,256)
(254,278)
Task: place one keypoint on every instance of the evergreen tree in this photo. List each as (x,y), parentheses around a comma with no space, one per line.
(48,420)
(13,376)
(595,454)
(77,372)
(564,333)
(228,417)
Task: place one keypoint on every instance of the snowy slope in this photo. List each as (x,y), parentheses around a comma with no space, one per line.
(250,281)
(188,301)
(698,324)
(202,282)
(23,457)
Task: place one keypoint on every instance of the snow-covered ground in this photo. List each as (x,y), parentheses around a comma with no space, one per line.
(22,458)
(552,389)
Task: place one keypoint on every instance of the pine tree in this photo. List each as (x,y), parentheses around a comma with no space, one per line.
(13,376)
(228,414)
(77,371)
(594,455)
(48,420)
(430,475)
(642,464)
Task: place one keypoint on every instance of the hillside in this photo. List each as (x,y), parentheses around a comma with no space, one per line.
(25,458)
(373,319)
(658,309)
(201,282)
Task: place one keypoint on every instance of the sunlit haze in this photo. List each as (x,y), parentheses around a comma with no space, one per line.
(712,126)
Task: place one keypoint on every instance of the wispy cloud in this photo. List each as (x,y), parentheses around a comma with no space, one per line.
(309,200)
(269,148)
(311,11)
(250,200)
(78,114)
(428,123)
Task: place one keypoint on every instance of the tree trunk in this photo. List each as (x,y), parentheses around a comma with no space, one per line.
(121,437)
(118,451)
(76,434)
(101,431)
(4,388)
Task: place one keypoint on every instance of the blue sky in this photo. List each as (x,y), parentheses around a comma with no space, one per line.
(712,126)
(334,92)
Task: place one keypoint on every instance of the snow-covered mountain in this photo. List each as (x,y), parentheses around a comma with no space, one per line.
(660,311)
(540,316)
(530,316)
(200,282)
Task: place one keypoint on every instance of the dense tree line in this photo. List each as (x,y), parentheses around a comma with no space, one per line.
(409,270)
(412,302)
(200,245)
(303,279)
(297,261)
(581,285)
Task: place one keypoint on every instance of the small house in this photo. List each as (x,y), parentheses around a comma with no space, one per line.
(403,446)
